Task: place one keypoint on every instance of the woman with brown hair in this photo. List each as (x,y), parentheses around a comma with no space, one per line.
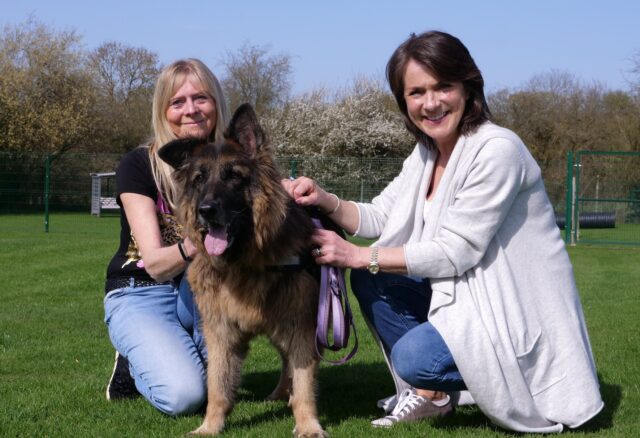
(468,285)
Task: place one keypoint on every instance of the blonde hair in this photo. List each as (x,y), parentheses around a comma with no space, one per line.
(170,79)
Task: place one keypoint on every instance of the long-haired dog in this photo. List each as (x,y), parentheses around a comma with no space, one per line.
(246,227)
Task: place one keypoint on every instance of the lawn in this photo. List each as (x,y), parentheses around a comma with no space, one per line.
(622,234)
(55,356)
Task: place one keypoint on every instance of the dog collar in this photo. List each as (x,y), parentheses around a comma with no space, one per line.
(292,263)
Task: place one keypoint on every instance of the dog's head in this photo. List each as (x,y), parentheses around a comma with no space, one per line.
(222,185)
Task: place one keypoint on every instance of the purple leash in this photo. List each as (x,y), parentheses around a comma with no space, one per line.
(334,309)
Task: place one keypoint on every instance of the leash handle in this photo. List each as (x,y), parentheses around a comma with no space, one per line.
(334,308)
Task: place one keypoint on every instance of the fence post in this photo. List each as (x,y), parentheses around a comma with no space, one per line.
(47,177)
(568,215)
(293,170)
(575,205)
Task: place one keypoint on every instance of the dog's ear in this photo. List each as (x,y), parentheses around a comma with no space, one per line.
(176,152)
(245,129)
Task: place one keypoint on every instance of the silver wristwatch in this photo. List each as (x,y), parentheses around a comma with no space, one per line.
(374,266)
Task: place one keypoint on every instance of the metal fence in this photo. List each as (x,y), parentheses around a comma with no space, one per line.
(603,198)
(49,184)
(596,195)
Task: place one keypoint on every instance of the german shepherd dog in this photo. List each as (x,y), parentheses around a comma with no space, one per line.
(245,226)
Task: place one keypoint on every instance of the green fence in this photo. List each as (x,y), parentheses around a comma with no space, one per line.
(603,198)
(71,183)
(596,195)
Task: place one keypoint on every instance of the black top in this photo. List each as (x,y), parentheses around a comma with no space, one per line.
(134,175)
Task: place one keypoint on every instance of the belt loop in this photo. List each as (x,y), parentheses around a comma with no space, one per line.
(132,282)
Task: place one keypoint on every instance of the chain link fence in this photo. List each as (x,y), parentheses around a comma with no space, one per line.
(85,183)
(588,183)
(603,198)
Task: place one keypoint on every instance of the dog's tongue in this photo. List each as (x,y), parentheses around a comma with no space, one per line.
(215,242)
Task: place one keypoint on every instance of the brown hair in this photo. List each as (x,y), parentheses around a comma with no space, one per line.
(449,60)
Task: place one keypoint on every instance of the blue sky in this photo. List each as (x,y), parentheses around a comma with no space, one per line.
(333,41)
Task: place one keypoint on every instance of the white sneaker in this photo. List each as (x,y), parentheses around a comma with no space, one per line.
(387,404)
(412,407)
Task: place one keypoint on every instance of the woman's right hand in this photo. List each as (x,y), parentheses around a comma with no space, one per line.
(306,192)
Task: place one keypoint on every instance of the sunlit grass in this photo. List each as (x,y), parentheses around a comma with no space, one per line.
(55,356)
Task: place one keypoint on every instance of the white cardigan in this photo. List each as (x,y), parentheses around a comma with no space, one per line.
(504,296)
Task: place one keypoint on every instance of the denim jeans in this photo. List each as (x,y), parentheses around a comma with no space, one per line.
(397,308)
(156,329)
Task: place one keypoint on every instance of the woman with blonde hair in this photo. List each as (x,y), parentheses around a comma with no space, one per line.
(149,308)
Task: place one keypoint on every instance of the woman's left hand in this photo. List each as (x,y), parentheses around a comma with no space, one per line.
(334,250)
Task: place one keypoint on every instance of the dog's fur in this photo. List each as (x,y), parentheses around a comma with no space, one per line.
(232,195)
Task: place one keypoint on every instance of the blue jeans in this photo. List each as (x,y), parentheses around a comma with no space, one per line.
(156,329)
(397,308)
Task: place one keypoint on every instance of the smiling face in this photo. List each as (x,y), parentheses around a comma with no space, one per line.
(191,111)
(434,106)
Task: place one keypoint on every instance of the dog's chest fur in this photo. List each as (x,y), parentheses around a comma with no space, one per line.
(237,298)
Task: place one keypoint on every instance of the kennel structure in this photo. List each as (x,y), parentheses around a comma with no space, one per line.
(103,190)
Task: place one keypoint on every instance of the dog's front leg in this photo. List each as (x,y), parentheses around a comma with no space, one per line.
(303,365)
(226,352)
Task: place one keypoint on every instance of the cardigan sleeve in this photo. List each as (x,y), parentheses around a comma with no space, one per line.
(480,205)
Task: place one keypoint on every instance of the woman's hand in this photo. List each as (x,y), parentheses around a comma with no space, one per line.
(306,191)
(334,250)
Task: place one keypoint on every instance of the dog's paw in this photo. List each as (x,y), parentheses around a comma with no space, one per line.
(278,394)
(315,432)
(321,434)
(206,429)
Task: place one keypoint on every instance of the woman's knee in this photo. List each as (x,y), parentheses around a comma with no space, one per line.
(180,396)
(403,358)
(422,359)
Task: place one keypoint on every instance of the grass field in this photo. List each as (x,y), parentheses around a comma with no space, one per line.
(622,234)
(55,356)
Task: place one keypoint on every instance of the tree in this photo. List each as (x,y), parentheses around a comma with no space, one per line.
(122,72)
(553,113)
(635,72)
(254,76)
(360,121)
(46,97)
(124,78)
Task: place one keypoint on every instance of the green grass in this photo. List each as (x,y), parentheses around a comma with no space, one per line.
(55,356)
(623,234)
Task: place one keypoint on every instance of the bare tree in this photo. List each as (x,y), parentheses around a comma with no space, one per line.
(124,78)
(253,75)
(553,113)
(635,72)
(123,71)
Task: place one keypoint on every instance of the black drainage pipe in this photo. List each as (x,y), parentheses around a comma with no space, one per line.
(605,219)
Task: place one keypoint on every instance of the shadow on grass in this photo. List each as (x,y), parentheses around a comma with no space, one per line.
(345,393)
(350,392)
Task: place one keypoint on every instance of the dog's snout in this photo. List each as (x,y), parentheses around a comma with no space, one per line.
(207,209)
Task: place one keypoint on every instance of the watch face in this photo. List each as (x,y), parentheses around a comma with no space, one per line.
(374,268)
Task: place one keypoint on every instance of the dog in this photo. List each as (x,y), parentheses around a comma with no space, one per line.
(246,226)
